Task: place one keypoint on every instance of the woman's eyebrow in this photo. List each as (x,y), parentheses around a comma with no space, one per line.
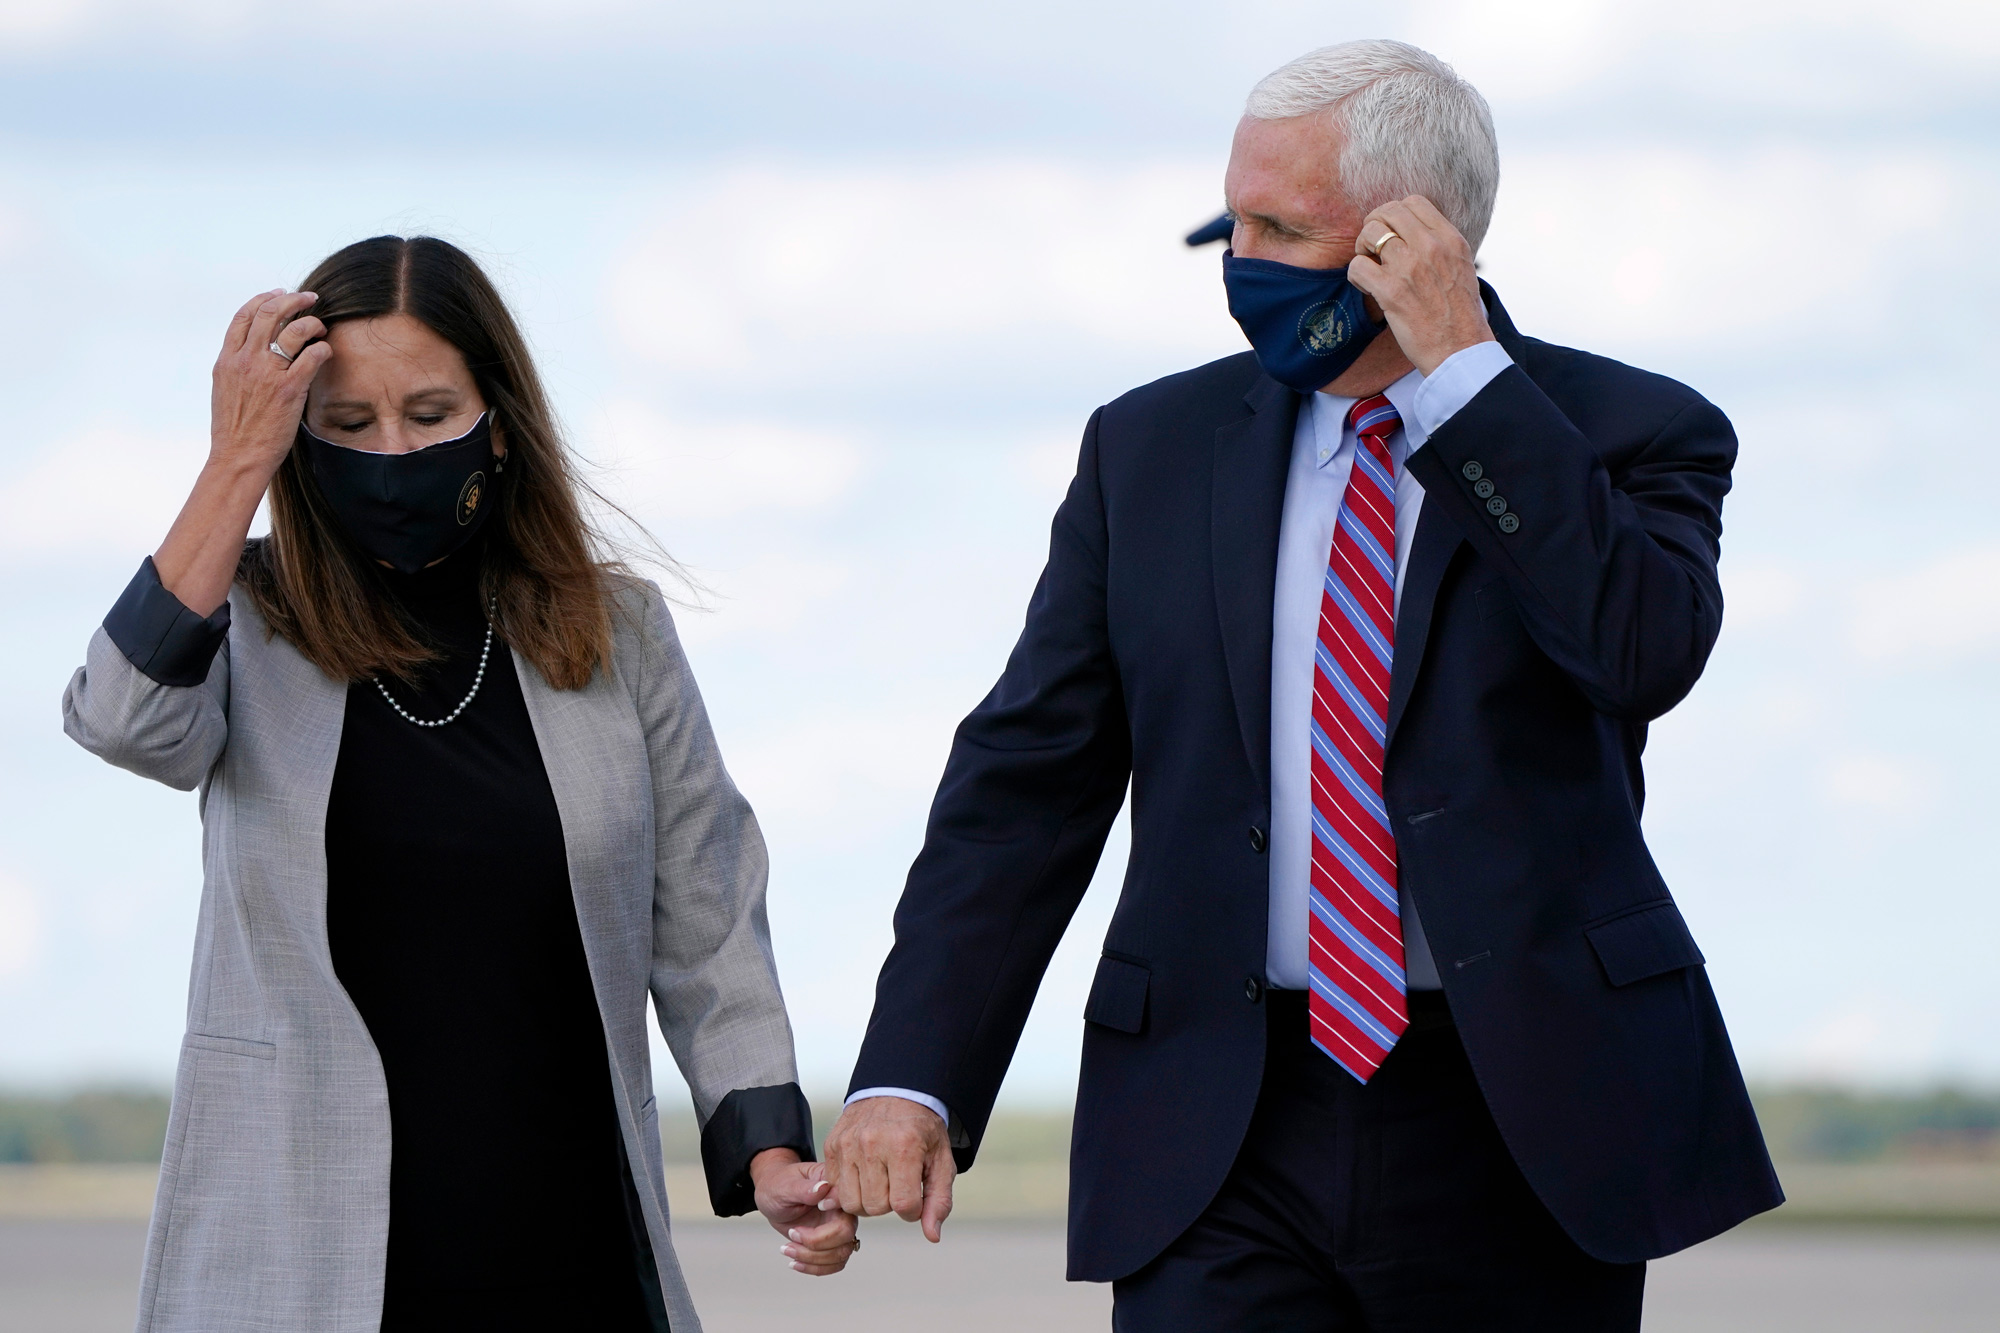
(444,391)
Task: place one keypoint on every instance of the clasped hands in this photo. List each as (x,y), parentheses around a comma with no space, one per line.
(818,1241)
(885,1155)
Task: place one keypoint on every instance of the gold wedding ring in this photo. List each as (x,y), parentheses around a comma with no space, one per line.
(1382,240)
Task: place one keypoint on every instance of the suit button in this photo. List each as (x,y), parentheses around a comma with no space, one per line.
(1256,839)
(1473,472)
(1253,989)
(1497,505)
(1509,523)
(1484,488)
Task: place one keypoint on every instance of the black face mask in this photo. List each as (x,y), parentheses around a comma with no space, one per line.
(414,509)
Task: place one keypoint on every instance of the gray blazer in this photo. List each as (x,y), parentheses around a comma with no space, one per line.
(273,1207)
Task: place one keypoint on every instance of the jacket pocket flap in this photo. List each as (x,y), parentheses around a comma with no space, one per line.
(1644,943)
(1118,995)
(260,1050)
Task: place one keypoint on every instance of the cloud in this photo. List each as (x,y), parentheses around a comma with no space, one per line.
(837,781)
(655,464)
(1869,1037)
(1553,50)
(1760,594)
(874,273)
(103,486)
(1881,784)
(20,928)
(1944,611)
(765,599)
(1643,247)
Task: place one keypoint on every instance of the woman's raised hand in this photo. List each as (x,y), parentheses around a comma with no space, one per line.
(255,403)
(258,394)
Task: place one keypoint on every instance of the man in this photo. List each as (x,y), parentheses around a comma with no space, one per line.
(1396,1025)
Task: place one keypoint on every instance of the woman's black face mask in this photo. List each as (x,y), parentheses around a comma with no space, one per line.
(409,510)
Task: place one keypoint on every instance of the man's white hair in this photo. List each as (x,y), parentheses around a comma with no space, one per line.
(1411,126)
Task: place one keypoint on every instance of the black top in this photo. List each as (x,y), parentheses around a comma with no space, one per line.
(453,929)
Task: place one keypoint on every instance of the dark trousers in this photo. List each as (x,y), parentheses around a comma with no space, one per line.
(1392,1207)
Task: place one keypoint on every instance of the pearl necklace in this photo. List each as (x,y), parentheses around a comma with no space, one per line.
(452,716)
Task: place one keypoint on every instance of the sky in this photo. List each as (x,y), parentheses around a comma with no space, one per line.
(825,293)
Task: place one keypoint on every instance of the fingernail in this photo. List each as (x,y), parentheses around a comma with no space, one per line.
(792,1234)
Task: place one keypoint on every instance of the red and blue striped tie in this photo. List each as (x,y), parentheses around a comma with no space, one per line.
(1355,961)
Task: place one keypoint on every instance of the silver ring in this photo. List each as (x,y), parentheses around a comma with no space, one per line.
(279,351)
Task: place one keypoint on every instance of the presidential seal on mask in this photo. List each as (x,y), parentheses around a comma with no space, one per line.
(463,816)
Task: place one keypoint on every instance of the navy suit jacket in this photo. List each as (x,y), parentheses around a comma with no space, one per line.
(1530,657)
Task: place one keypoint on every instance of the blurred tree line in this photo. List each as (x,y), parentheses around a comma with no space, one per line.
(1801,1124)
(103,1126)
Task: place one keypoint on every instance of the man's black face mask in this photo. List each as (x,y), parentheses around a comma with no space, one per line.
(409,510)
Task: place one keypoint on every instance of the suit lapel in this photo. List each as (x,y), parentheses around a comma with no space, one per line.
(596,762)
(1252,456)
(1431,549)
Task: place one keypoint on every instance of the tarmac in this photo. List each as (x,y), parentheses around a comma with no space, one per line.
(81,1276)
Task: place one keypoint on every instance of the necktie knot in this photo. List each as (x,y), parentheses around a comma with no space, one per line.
(1375,416)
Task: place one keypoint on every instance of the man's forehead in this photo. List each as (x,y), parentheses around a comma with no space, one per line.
(1301,155)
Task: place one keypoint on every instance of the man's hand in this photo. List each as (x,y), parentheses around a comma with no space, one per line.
(1423,279)
(890,1155)
(788,1195)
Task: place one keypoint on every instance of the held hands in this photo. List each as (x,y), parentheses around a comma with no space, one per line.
(789,1194)
(1419,270)
(258,395)
(890,1155)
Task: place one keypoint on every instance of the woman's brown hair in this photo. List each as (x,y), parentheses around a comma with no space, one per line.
(543,565)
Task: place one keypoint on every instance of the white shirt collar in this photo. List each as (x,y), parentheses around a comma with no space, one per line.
(1330,414)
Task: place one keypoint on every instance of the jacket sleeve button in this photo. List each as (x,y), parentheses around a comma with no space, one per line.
(1253,989)
(1256,839)
(1472,471)
(1509,523)
(1483,488)
(1497,505)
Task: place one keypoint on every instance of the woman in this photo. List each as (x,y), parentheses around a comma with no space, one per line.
(462,811)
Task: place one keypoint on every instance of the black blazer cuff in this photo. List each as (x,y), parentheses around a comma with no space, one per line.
(748,1121)
(167,642)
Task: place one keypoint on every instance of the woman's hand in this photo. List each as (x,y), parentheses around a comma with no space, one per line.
(258,395)
(254,407)
(788,1194)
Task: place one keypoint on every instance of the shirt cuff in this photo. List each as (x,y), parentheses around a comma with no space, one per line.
(748,1121)
(920,1098)
(167,642)
(1456,382)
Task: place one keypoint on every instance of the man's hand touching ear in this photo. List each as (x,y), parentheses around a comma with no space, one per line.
(1420,271)
(890,1155)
